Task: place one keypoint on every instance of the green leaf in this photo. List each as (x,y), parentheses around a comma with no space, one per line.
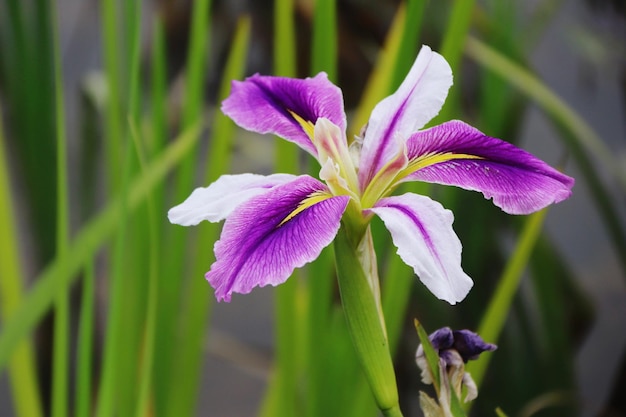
(22,370)
(500,304)
(60,365)
(193,316)
(380,80)
(432,357)
(325,39)
(62,271)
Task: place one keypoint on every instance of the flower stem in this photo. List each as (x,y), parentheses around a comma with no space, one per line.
(364,319)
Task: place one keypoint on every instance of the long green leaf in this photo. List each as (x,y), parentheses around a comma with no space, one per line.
(147,351)
(170,290)
(499,306)
(115,377)
(84,355)
(379,82)
(62,271)
(60,369)
(286,160)
(27,401)
(195,314)
(408,41)
(113,126)
(452,50)
(325,39)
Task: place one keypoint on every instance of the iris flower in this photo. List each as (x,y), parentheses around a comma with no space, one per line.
(276,223)
(455,348)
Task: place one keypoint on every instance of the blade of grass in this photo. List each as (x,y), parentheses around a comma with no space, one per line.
(452,50)
(22,375)
(559,304)
(84,355)
(135,257)
(325,42)
(497,310)
(172,289)
(194,83)
(379,82)
(113,125)
(286,322)
(195,315)
(147,353)
(60,369)
(109,402)
(320,274)
(61,272)
(408,41)
(456,32)
(432,357)
(29,100)
(158,99)
(196,57)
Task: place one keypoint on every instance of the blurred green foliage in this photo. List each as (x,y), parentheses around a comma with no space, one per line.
(134,283)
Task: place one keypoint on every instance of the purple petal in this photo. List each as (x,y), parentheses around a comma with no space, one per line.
(270,235)
(422,231)
(455,153)
(267,104)
(418,99)
(470,345)
(442,338)
(215,202)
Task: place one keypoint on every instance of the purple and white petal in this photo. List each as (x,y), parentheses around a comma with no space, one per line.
(418,99)
(455,153)
(267,104)
(270,235)
(215,202)
(422,231)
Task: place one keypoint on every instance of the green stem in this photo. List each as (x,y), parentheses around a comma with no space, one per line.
(364,319)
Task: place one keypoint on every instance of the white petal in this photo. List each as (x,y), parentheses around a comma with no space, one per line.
(472,389)
(422,231)
(418,99)
(215,202)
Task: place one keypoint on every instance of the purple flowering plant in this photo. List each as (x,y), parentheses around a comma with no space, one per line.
(279,222)
(453,349)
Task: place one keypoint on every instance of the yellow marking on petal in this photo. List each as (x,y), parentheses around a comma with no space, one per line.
(432,159)
(308,202)
(306,125)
